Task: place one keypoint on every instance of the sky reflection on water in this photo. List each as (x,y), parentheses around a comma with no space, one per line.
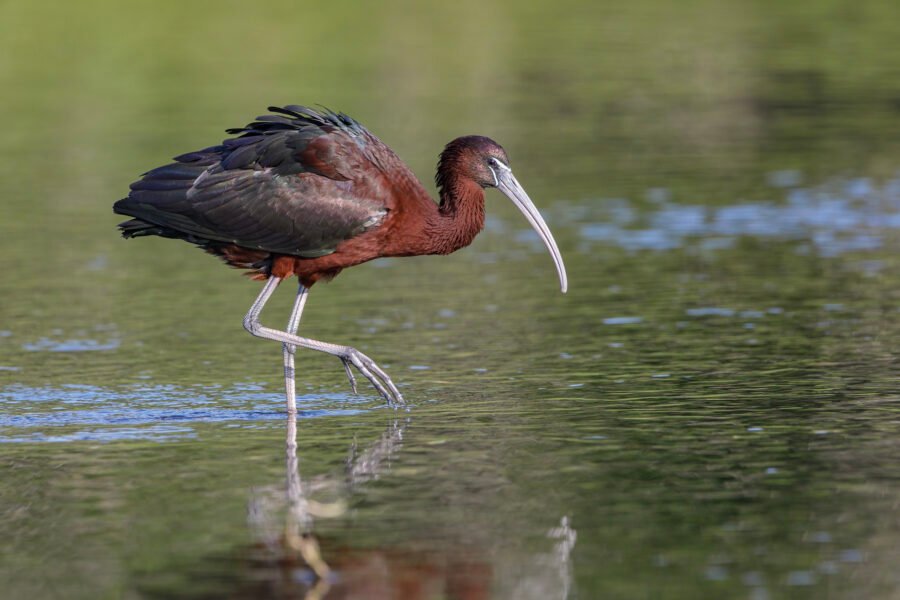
(836,218)
(117,412)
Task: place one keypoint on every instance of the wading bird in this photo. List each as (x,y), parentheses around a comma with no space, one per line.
(311,192)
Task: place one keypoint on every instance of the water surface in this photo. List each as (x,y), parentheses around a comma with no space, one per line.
(710,412)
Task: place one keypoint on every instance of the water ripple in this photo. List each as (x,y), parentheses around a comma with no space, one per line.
(837,217)
(73,345)
(97,413)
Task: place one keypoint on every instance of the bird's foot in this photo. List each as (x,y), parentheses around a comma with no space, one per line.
(350,376)
(371,371)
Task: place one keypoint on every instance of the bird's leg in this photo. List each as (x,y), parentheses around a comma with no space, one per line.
(349,356)
(252,316)
(290,349)
(290,387)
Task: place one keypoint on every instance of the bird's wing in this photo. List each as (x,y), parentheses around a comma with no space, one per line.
(296,184)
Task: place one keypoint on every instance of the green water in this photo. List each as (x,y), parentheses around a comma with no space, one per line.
(712,411)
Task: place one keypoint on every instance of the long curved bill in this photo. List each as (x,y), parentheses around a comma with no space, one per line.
(508,184)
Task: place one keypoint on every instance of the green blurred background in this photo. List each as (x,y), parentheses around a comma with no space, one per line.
(713,405)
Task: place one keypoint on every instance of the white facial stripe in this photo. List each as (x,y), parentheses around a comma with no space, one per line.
(497,163)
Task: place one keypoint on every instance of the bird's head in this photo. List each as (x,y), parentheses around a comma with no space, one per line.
(485,162)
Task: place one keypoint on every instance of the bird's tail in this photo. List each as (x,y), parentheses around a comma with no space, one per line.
(137,228)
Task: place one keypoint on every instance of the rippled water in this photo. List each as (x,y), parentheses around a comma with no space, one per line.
(834,218)
(710,412)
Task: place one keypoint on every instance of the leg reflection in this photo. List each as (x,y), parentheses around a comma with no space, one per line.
(298,534)
(457,565)
(283,519)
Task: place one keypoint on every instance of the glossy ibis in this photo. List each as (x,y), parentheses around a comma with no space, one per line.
(310,192)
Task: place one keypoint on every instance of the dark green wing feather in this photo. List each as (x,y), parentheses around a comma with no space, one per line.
(299,182)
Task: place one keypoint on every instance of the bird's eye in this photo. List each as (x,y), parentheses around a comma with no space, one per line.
(492,161)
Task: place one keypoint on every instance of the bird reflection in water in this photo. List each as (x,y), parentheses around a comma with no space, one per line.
(290,563)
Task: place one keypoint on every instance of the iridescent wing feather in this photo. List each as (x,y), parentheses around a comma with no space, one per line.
(298,182)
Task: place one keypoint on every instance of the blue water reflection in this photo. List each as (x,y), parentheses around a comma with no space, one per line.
(147,412)
(838,217)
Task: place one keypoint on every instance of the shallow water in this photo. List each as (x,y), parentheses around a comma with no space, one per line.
(710,412)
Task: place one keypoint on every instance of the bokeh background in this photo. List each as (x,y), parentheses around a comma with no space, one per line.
(712,410)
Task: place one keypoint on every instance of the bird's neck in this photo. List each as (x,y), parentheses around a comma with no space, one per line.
(460,215)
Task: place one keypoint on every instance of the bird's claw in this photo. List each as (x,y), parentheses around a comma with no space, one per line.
(350,376)
(375,374)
